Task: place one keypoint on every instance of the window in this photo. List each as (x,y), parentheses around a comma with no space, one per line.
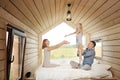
(16,42)
(98,48)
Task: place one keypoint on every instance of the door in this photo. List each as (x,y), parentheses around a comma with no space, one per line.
(16,42)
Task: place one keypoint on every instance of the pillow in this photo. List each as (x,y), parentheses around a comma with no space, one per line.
(101,66)
(96,61)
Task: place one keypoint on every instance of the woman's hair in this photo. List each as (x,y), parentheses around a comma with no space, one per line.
(44,45)
(93,43)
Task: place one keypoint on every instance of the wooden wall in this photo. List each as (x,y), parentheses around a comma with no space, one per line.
(32,46)
(2,50)
(111,47)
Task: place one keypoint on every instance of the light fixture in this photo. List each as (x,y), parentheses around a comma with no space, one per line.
(68,18)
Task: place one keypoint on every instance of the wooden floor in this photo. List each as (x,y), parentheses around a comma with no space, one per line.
(95,79)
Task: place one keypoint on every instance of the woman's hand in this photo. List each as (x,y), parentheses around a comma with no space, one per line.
(65,42)
(57,45)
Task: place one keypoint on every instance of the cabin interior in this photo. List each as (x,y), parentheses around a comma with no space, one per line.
(33,18)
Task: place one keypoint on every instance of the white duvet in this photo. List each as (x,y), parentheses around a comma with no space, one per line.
(67,73)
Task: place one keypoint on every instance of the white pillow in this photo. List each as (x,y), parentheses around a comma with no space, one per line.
(101,66)
(96,61)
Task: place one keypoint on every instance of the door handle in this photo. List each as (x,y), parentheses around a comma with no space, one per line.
(12,60)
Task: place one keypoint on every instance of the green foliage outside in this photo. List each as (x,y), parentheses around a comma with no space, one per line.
(64,52)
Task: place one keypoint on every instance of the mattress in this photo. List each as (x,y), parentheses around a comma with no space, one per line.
(65,72)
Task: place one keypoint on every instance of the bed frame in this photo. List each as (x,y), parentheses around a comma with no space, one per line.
(96,79)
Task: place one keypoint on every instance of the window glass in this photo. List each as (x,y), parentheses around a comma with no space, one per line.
(98,48)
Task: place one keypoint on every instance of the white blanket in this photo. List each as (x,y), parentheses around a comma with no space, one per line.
(67,73)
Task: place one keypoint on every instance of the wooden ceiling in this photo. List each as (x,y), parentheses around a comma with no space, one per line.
(42,15)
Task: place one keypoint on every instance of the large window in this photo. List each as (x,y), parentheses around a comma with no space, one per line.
(15,42)
(98,48)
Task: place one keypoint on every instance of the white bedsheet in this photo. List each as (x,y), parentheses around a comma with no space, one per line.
(67,73)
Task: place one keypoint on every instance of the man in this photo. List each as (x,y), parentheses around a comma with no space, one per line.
(88,54)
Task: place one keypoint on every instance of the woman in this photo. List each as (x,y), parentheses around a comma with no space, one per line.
(47,51)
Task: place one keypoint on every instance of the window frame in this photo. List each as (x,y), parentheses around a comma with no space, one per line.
(11,32)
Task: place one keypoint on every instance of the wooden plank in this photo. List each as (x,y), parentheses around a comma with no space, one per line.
(29,40)
(96,6)
(39,49)
(61,9)
(15,21)
(2,54)
(87,7)
(2,23)
(112,37)
(52,8)
(74,8)
(2,44)
(29,56)
(17,15)
(116,21)
(40,7)
(108,22)
(22,7)
(30,35)
(111,48)
(31,61)
(2,75)
(31,67)
(46,5)
(111,60)
(29,46)
(106,16)
(111,54)
(79,9)
(109,31)
(57,4)
(31,6)
(30,51)
(111,43)
(2,65)
(2,34)
(100,11)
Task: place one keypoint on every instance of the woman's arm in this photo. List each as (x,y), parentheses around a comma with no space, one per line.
(70,34)
(57,45)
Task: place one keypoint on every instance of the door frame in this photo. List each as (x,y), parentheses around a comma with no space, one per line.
(11,32)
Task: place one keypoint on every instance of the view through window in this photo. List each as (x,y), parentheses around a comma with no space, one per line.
(66,52)
(98,48)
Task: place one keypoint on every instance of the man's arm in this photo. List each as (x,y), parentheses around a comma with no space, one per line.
(89,53)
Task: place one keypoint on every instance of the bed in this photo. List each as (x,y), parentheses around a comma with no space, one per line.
(65,72)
